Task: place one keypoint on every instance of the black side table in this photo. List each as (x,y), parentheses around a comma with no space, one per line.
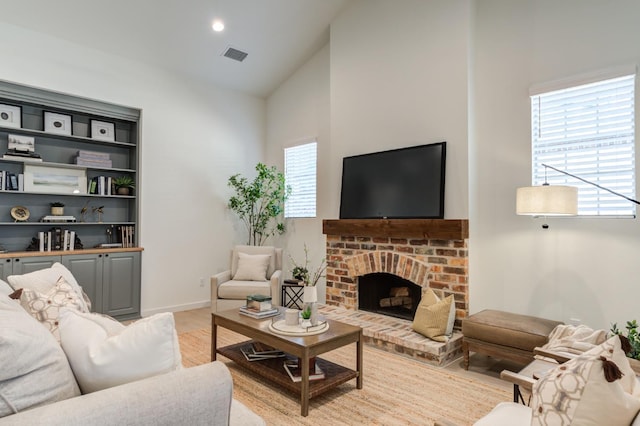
(291,295)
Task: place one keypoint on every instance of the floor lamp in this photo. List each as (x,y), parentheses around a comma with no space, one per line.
(553,200)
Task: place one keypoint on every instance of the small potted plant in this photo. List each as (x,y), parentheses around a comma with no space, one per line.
(57,208)
(124,185)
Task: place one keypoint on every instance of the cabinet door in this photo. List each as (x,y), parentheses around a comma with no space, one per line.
(87,270)
(24,265)
(6,268)
(121,287)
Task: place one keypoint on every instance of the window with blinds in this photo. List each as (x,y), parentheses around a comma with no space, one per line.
(300,165)
(588,131)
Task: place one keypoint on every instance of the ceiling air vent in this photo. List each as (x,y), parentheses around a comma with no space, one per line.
(235,54)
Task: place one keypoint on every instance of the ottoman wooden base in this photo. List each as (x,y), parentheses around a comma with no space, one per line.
(504,335)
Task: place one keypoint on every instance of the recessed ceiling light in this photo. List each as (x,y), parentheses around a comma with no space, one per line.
(217,25)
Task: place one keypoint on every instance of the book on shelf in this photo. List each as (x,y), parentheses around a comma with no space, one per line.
(20,158)
(258,314)
(260,348)
(54,218)
(93,155)
(109,245)
(250,354)
(295,373)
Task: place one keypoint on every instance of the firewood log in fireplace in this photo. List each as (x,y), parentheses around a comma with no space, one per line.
(396,301)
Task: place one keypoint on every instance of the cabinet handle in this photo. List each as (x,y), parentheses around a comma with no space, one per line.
(106,255)
(8,260)
(17,260)
(99,255)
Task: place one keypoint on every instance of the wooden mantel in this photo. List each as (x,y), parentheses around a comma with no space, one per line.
(440,229)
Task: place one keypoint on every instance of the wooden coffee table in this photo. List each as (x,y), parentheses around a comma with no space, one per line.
(302,347)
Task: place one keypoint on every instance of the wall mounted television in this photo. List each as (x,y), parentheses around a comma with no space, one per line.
(405,183)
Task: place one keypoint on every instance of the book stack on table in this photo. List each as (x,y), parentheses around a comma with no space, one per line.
(258,306)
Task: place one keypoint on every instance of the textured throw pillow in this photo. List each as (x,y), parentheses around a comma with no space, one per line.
(104,353)
(34,370)
(434,317)
(578,392)
(45,307)
(252,267)
(43,280)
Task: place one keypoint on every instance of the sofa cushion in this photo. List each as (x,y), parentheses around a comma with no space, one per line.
(578,391)
(104,353)
(252,267)
(434,317)
(44,279)
(45,307)
(34,370)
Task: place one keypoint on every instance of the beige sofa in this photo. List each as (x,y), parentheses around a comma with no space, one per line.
(195,396)
(38,387)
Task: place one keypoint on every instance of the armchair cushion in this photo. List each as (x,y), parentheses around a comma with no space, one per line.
(264,250)
(239,290)
(252,267)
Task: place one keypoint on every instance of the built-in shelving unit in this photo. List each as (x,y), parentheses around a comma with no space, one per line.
(111,277)
(58,151)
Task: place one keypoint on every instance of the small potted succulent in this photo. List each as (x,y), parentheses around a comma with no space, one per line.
(57,208)
(124,185)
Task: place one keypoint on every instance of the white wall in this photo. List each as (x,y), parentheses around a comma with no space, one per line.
(399,78)
(194,137)
(298,111)
(579,268)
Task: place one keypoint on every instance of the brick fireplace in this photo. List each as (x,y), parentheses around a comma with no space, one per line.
(428,252)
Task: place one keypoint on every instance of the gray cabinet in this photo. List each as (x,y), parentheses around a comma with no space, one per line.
(111,280)
(24,265)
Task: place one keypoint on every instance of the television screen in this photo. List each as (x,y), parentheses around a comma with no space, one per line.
(406,183)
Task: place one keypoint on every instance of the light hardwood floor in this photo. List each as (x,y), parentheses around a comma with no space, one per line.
(482,368)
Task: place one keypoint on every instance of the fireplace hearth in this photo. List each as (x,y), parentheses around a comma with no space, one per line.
(388,294)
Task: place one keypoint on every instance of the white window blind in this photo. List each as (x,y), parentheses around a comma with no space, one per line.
(588,131)
(300,165)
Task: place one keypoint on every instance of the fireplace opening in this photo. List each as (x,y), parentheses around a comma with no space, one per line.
(388,294)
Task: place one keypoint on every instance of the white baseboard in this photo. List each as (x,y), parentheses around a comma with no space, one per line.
(177,308)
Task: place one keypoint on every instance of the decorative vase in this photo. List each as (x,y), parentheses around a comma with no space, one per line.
(57,211)
(310,303)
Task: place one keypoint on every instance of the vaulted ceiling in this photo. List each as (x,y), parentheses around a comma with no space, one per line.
(278,35)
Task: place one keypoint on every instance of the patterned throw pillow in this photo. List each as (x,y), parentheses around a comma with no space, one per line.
(434,317)
(43,280)
(578,392)
(46,307)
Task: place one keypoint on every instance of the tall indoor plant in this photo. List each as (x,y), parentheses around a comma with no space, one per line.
(260,203)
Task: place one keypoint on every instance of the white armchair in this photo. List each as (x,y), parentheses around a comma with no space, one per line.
(230,288)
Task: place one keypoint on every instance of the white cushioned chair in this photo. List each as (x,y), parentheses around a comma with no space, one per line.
(254,270)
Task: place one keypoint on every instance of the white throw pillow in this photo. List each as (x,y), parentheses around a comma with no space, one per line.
(45,307)
(5,288)
(44,279)
(34,370)
(104,353)
(578,393)
(252,267)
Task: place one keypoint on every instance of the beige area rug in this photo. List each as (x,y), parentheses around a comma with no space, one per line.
(397,390)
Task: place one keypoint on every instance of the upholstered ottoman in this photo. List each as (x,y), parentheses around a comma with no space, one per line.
(504,335)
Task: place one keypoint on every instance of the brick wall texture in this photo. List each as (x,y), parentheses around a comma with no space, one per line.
(438,264)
